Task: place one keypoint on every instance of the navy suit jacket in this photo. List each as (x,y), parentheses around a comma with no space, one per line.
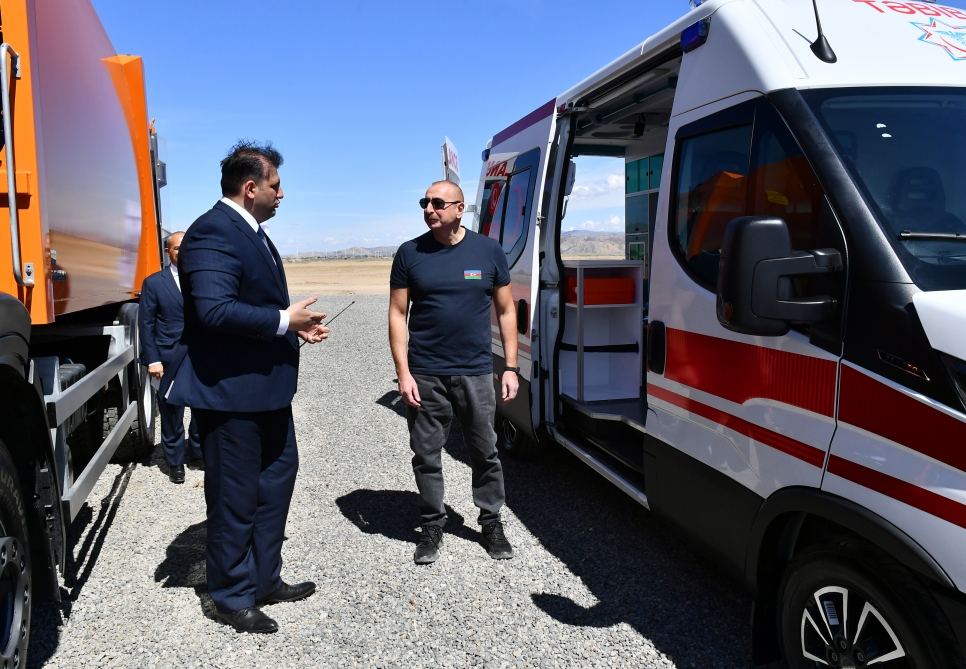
(233,288)
(160,319)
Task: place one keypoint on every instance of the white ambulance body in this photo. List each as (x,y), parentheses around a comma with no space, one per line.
(782,373)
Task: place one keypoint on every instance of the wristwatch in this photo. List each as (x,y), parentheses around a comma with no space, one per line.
(512,369)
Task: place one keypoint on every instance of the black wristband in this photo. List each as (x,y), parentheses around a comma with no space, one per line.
(512,369)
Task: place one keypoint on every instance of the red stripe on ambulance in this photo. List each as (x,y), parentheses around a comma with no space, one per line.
(925,500)
(875,407)
(779,442)
(739,372)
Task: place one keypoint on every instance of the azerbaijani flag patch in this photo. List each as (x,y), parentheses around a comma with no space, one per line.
(473,274)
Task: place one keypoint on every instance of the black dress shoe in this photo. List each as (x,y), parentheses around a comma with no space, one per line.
(249,620)
(288,593)
(176,473)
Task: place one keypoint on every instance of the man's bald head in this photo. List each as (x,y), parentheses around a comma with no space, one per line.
(172,246)
(457,192)
(174,239)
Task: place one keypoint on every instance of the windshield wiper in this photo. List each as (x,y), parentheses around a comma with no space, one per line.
(938,236)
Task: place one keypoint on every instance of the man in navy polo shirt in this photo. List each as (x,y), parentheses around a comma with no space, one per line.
(452,276)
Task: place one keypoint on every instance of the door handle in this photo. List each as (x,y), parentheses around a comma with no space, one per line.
(523,317)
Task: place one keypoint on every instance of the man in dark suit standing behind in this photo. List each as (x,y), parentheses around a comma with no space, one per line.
(239,376)
(160,322)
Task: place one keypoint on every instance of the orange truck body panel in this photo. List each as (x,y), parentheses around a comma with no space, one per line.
(84,172)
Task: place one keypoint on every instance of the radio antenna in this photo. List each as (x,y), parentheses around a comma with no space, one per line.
(820,47)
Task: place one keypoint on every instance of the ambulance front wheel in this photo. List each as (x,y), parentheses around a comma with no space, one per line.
(842,607)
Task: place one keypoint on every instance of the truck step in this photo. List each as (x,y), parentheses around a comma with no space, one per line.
(622,476)
(613,426)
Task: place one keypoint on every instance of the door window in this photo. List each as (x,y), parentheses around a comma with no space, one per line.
(491,220)
(505,209)
(515,211)
(712,189)
(745,171)
(784,184)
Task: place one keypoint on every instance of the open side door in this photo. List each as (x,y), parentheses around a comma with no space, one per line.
(509,209)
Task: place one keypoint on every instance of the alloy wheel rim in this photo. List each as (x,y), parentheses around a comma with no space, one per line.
(842,628)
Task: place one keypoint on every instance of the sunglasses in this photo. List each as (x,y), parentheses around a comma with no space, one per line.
(437,202)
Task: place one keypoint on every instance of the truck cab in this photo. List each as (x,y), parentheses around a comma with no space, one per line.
(774,365)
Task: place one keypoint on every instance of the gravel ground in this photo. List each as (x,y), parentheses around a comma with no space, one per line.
(595,581)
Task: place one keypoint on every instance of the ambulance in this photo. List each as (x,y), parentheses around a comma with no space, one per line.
(777,366)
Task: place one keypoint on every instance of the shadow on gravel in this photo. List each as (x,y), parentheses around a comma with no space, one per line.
(393,514)
(184,565)
(393,400)
(48,615)
(639,573)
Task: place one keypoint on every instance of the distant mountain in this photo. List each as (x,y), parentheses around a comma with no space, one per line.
(586,243)
(591,233)
(591,243)
(349,253)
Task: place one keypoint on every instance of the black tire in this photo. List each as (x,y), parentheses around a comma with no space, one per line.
(514,442)
(139,441)
(143,430)
(870,608)
(15,570)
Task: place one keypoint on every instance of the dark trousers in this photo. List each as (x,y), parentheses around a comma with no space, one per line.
(473,400)
(172,434)
(251,460)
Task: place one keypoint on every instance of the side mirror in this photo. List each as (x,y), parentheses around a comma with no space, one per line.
(755,294)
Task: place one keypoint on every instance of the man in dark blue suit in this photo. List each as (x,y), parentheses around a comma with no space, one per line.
(160,323)
(239,377)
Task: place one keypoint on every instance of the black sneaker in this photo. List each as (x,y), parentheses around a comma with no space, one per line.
(430,540)
(495,541)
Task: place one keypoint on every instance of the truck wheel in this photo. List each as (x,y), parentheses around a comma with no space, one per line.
(139,441)
(15,593)
(842,608)
(513,442)
(147,409)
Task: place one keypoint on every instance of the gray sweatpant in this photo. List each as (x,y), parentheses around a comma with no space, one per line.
(473,400)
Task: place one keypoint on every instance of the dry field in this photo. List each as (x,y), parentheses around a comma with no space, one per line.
(339,277)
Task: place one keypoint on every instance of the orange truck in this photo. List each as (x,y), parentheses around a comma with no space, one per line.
(79,230)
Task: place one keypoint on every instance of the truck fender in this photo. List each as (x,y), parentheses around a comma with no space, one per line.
(27,434)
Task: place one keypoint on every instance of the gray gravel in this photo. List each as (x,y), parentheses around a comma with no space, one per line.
(595,581)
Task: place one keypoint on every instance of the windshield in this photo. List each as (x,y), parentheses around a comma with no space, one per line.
(906,148)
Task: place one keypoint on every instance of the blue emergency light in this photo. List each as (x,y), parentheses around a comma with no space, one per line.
(695,35)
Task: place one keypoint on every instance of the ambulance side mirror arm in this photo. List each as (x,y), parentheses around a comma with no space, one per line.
(755,292)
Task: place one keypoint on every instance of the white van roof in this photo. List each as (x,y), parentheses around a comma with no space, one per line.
(764,45)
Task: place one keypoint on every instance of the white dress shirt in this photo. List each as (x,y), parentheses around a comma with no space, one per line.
(283,317)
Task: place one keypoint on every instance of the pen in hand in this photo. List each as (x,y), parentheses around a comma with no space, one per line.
(303,343)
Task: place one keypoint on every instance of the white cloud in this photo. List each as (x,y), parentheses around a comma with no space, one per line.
(599,183)
(611,224)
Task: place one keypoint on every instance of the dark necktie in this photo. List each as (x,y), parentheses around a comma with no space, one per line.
(276,259)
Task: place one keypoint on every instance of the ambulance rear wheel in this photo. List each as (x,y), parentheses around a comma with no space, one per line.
(839,607)
(514,442)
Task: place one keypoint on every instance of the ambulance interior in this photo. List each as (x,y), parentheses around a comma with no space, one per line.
(622,129)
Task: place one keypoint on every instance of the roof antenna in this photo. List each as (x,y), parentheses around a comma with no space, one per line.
(820,47)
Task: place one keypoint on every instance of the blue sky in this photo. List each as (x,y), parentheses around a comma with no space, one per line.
(358,95)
